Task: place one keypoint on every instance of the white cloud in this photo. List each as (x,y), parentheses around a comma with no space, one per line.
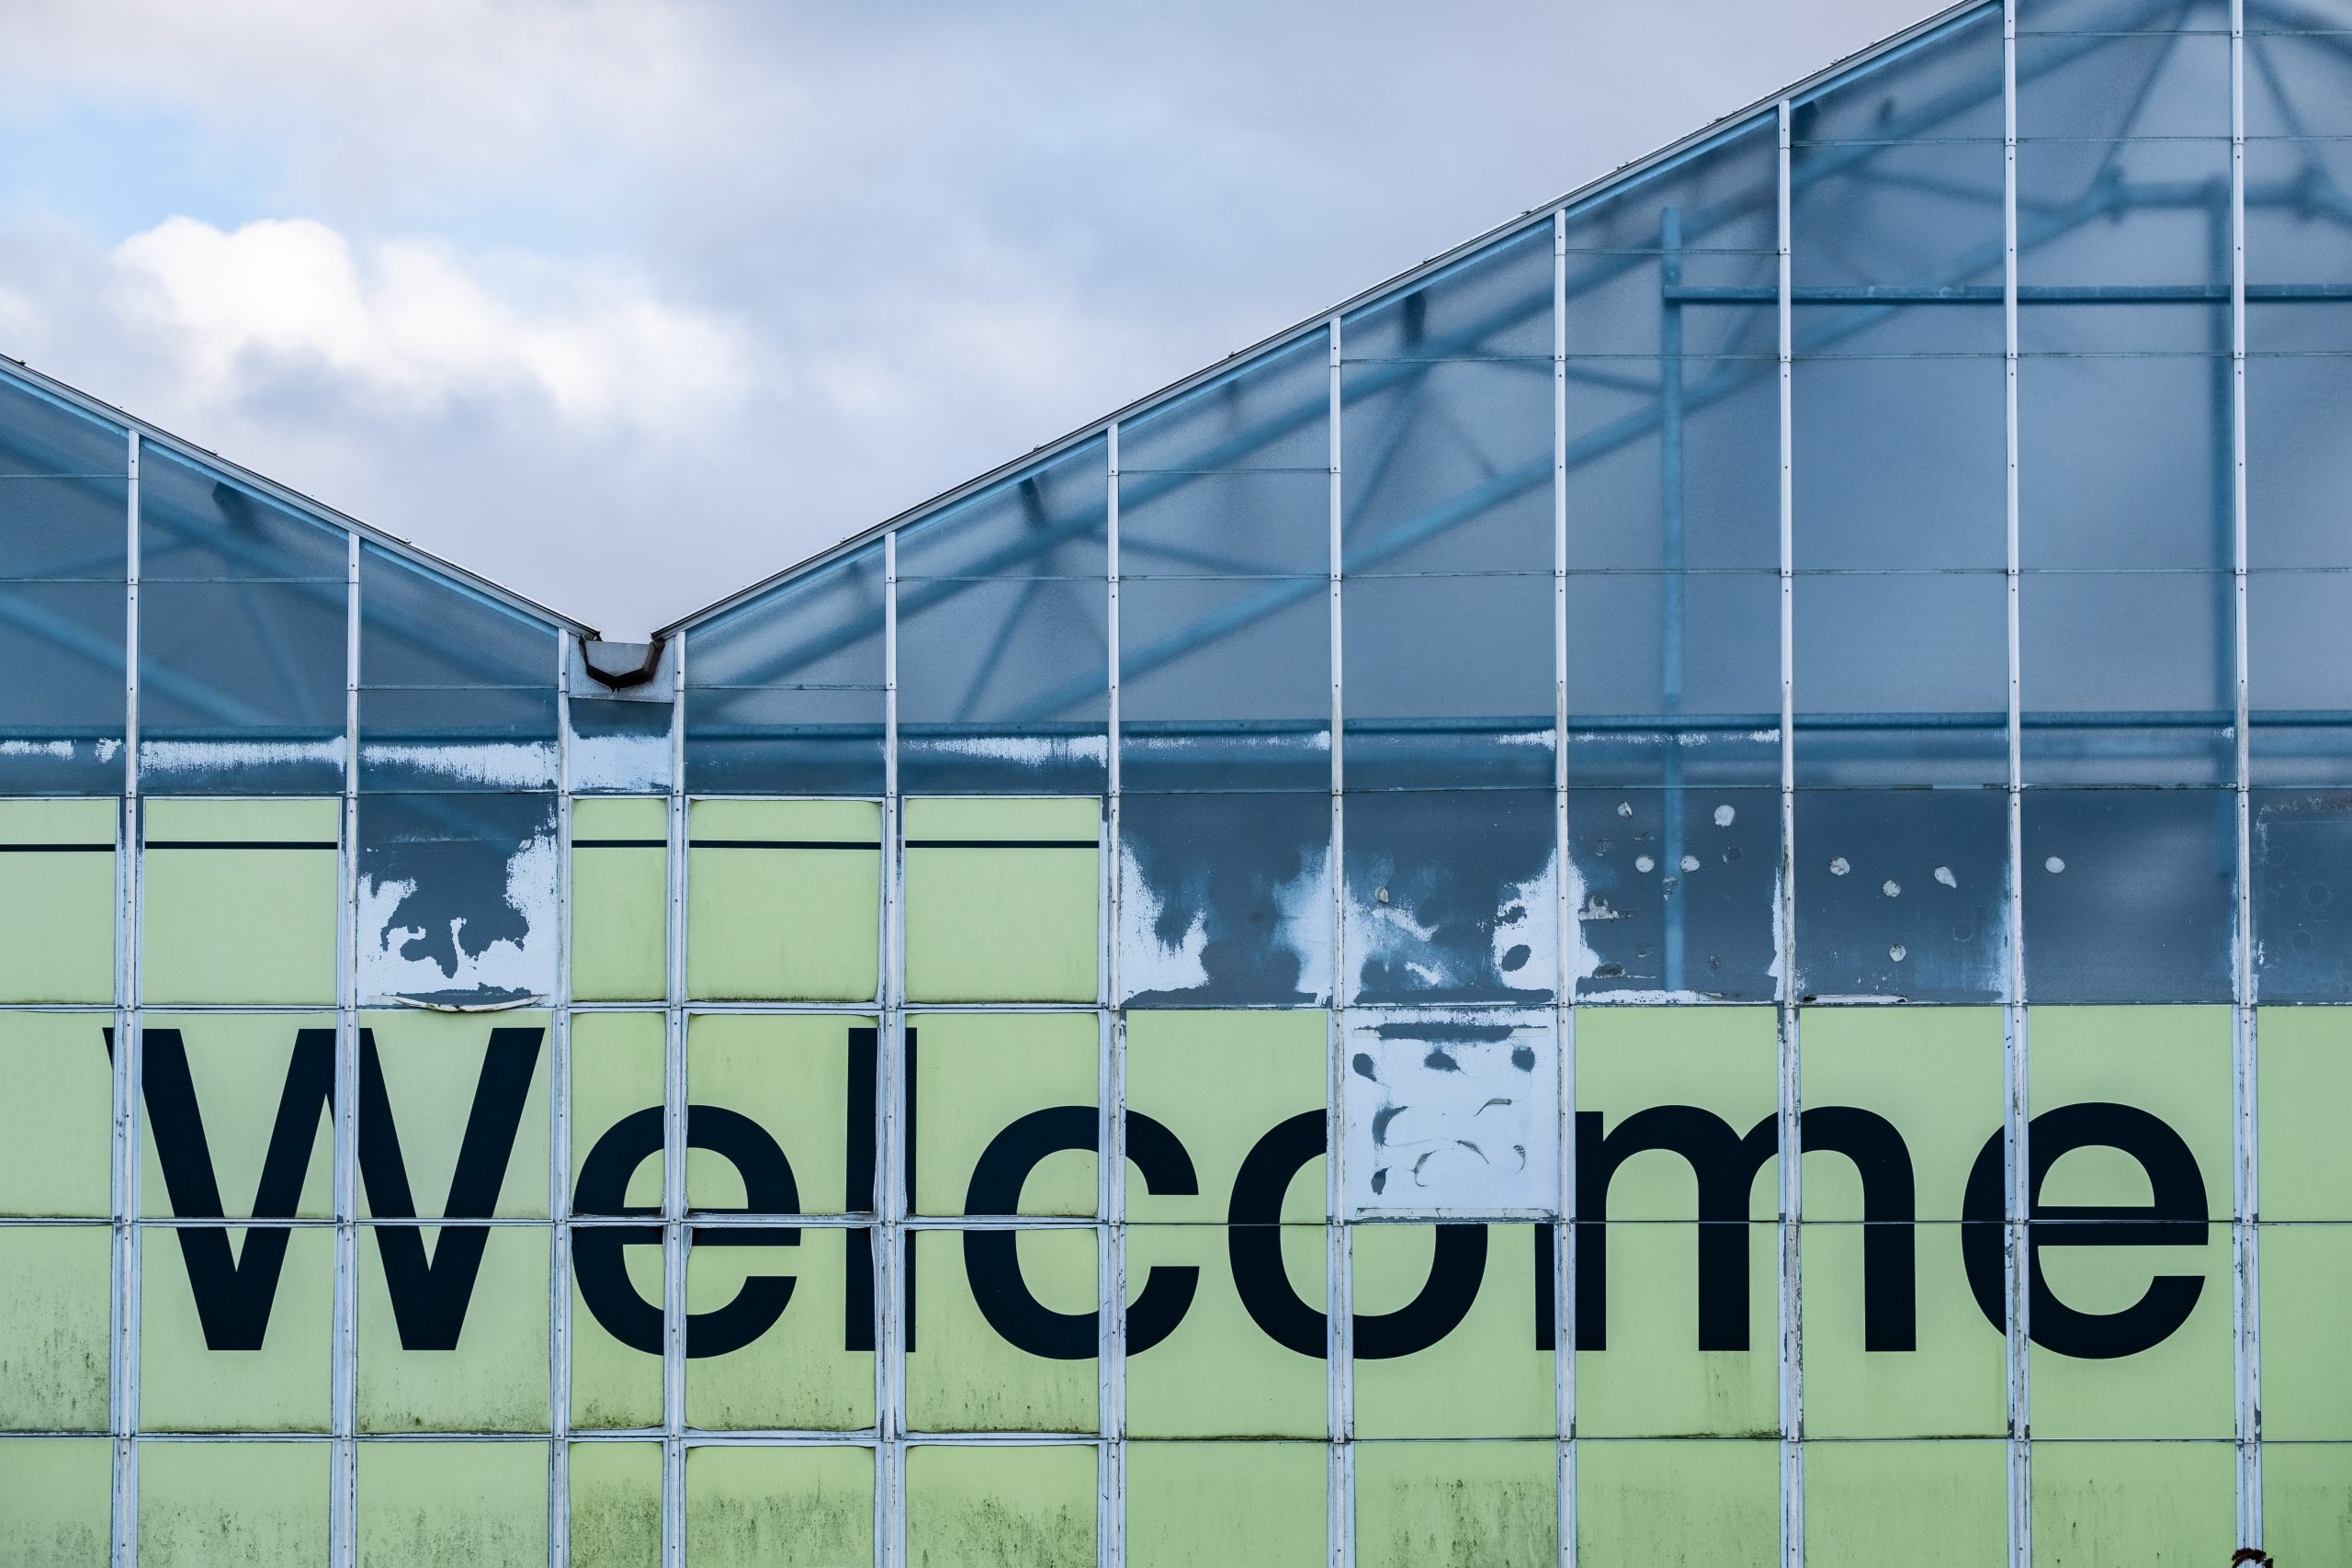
(417,329)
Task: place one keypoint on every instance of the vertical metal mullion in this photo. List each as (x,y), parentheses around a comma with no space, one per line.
(1564,1357)
(122,1415)
(673,1145)
(559,1143)
(2246,1239)
(1792,1164)
(890,1199)
(1339,1336)
(2015,1100)
(344,1508)
(1111,1253)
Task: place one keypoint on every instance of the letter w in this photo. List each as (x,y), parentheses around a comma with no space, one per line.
(234,1294)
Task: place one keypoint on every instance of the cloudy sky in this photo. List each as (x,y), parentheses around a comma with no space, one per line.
(628,302)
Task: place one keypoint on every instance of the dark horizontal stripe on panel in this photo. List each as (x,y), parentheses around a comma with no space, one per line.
(783,844)
(55,849)
(620,843)
(1002,844)
(242,844)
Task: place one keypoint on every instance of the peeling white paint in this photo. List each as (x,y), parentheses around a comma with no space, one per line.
(1145,963)
(620,765)
(1452,1113)
(503,765)
(1725,816)
(1944,875)
(503,967)
(1029,750)
(61,750)
(217,756)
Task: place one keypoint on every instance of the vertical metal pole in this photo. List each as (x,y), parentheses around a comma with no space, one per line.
(674,1258)
(890,1164)
(122,1415)
(1671,877)
(1338,1338)
(560,1141)
(1792,1164)
(2246,1257)
(1563,1339)
(344,1510)
(2016,1343)
(1111,1532)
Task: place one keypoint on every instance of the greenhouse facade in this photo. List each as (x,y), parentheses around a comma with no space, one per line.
(1233,992)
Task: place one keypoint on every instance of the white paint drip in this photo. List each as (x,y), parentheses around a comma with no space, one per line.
(503,764)
(503,965)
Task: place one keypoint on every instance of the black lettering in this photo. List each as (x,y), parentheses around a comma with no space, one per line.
(2177,1215)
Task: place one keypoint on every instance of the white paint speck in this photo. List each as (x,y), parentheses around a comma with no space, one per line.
(1839,867)
(1723,814)
(1944,875)
(1690,863)
(2053,865)
(1643,863)
(1624,808)
(1891,887)
(1898,953)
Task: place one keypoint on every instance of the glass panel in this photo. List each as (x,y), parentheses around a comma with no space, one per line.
(61,528)
(1674,678)
(616,1296)
(1451,897)
(1494,304)
(1902,677)
(981,1073)
(463,1096)
(2298,688)
(54,1122)
(1422,1503)
(1697,1501)
(784,695)
(1226,684)
(1427,707)
(1224,1082)
(202,1504)
(2124,458)
(199,526)
(1955,1511)
(2305,1270)
(1031,1505)
(2307,1500)
(2129,894)
(620,900)
(1212,1505)
(59,1491)
(2095,72)
(2303,896)
(2133,1503)
(1904,893)
(777,1508)
(807,1081)
(772,1346)
(44,436)
(453,1504)
(973,1367)
(615,1505)
(1676,891)
(240,687)
(458,897)
(63,644)
(1953,1381)
(215,1084)
(57,925)
(1481,1365)
(1228,899)
(2128,677)
(783,900)
(281,1379)
(1452,1114)
(435,1358)
(53,1327)
(456,690)
(1235,471)
(620,747)
(238,898)
(2299,476)
(2297,241)
(618,1074)
(1003,606)
(1002,899)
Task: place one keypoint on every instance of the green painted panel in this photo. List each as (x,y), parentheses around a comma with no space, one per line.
(620,900)
(453,1504)
(56,1117)
(1653,1379)
(1485,1378)
(2306,1354)
(1000,1507)
(2305,1082)
(789,1074)
(1013,924)
(1220,1081)
(240,926)
(432,1067)
(1222,1505)
(796,1375)
(615,1387)
(1679,1505)
(254,1505)
(1458,1505)
(2182,1387)
(2307,1502)
(619,1066)
(53,1341)
(977,1074)
(2173,1062)
(615,1505)
(784,924)
(1935,1074)
(1955,1383)
(495,1379)
(186,1386)
(239,1064)
(57,923)
(1920,1505)
(1724,1060)
(1218,1374)
(2135,1505)
(962,1376)
(793,1508)
(56,1497)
